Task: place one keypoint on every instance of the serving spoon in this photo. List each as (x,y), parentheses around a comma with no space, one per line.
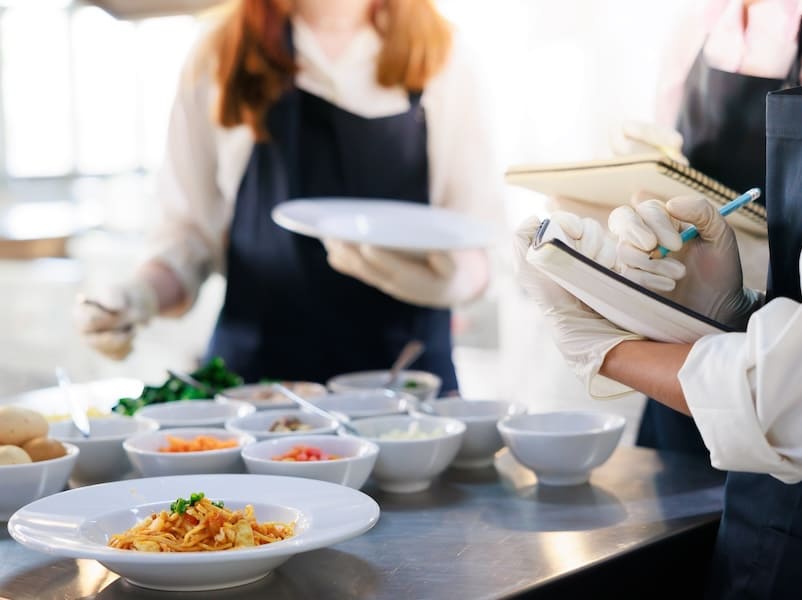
(303,403)
(409,353)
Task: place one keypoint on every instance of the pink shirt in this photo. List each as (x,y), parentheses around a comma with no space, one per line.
(765,48)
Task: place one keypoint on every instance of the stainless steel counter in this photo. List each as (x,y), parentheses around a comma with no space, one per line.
(475,534)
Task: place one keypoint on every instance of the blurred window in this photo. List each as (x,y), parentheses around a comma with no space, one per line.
(82,93)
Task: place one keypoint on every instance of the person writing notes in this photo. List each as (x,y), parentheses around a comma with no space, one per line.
(314,98)
(743,389)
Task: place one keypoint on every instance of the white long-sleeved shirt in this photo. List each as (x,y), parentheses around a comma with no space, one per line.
(204,163)
(744,391)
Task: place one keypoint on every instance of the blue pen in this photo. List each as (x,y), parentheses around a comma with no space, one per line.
(731,206)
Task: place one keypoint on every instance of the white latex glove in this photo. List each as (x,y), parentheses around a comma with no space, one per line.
(637,137)
(703,274)
(108,320)
(437,279)
(583,336)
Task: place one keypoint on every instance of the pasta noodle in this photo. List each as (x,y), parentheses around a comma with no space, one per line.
(200,525)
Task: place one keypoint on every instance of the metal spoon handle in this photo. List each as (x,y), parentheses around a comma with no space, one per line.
(79,418)
(408,355)
(302,402)
(190,380)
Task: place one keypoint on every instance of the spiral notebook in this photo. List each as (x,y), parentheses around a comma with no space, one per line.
(611,182)
(630,306)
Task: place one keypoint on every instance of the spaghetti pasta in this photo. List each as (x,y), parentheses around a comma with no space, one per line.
(200,525)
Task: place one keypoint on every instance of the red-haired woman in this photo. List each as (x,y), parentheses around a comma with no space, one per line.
(311,98)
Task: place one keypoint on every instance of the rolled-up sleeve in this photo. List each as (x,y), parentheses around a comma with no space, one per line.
(744,391)
(189,236)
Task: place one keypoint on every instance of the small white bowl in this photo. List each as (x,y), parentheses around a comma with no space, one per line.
(22,484)
(482,439)
(264,397)
(352,470)
(562,447)
(359,404)
(420,384)
(194,413)
(143,452)
(102,455)
(258,424)
(410,465)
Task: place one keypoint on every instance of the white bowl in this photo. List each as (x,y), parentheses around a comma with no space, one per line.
(359,404)
(481,439)
(410,465)
(21,484)
(258,424)
(562,447)
(102,455)
(194,413)
(143,452)
(426,385)
(85,518)
(264,397)
(353,469)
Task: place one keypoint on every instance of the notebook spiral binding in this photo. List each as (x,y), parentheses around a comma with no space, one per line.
(711,188)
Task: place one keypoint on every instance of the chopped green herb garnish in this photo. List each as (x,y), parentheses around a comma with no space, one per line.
(181,505)
(410,383)
(218,504)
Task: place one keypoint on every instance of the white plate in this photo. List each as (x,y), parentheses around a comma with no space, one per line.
(101,395)
(77,523)
(407,226)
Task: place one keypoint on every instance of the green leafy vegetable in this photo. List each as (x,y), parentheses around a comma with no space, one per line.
(410,384)
(218,504)
(214,374)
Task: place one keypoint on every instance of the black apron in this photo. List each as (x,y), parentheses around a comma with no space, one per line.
(287,314)
(759,547)
(723,123)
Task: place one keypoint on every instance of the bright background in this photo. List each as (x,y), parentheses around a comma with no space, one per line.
(83,107)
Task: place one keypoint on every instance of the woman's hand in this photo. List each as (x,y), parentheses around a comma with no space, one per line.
(583,336)
(435,279)
(703,274)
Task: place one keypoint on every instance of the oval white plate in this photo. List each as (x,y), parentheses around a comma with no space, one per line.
(407,226)
(76,524)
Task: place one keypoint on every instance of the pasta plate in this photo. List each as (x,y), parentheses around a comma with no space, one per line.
(78,524)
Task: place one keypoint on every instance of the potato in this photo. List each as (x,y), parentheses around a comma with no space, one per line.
(13,455)
(18,425)
(42,448)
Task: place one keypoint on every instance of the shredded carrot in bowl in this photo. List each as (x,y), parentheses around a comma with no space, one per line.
(197,444)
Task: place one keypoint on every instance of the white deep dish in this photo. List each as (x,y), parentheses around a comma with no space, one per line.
(258,424)
(410,465)
(359,404)
(353,469)
(100,396)
(406,226)
(265,397)
(102,455)
(194,413)
(143,452)
(481,439)
(79,523)
(21,484)
(562,447)
(426,385)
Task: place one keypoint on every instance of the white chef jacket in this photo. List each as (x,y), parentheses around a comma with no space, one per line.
(204,163)
(744,391)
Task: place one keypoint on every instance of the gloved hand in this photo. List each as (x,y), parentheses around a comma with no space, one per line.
(703,274)
(108,320)
(635,137)
(438,279)
(583,336)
